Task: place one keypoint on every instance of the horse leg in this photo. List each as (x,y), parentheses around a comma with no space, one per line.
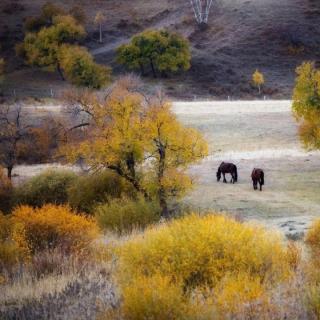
(260,185)
(232,178)
(224,178)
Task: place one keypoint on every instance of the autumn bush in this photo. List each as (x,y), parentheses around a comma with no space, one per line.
(48,187)
(13,247)
(87,191)
(124,214)
(54,226)
(216,263)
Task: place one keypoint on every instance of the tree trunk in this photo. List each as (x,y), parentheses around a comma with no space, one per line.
(141,69)
(153,69)
(9,173)
(162,192)
(60,72)
(100,31)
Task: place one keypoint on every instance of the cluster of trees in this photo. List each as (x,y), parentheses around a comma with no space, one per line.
(306,104)
(161,51)
(51,43)
(127,132)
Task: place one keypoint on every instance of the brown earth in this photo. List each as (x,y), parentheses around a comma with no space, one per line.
(272,35)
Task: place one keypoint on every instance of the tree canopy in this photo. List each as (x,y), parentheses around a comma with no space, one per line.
(54,48)
(306,104)
(137,137)
(162,50)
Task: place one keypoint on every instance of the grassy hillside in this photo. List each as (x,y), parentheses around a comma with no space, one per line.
(272,35)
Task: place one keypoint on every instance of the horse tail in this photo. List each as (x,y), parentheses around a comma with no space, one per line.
(262,177)
(235,173)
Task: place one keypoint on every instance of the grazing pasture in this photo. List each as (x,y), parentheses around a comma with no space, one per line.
(261,134)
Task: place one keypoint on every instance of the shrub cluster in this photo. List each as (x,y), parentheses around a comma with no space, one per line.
(214,263)
(5,192)
(48,187)
(123,215)
(53,226)
(86,192)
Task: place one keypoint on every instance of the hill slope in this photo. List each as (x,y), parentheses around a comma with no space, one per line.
(272,35)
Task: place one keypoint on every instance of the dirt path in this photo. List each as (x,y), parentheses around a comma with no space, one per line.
(255,134)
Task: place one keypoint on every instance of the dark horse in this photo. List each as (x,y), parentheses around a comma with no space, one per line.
(227,168)
(257,176)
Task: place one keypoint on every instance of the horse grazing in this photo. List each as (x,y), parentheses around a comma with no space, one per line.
(257,176)
(227,168)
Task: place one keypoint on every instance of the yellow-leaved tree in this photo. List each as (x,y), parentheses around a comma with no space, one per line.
(136,136)
(306,104)
(258,79)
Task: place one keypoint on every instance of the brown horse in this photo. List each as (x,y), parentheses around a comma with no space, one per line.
(257,176)
(226,167)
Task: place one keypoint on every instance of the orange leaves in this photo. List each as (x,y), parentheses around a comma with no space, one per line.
(55,226)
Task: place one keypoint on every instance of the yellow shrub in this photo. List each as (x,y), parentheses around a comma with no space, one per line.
(313,237)
(240,294)
(13,247)
(213,267)
(55,226)
(201,251)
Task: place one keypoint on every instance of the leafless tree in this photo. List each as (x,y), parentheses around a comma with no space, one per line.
(201,9)
(23,138)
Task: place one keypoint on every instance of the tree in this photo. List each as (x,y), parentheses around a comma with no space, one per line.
(41,49)
(306,104)
(78,13)
(161,50)
(139,138)
(201,10)
(19,134)
(99,19)
(79,68)
(258,79)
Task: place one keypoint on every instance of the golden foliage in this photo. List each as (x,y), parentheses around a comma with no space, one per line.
(258,79)
(13,247)
(306,104)
(55,226)
(140,139)
(212,266)
(313,237)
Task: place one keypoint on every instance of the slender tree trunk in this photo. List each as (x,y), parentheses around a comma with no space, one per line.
(141,69)
(153,69)
(60,72)
(100,31)
(162,192)
(9,173)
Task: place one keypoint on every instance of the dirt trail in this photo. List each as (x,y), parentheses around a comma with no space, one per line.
(255,134)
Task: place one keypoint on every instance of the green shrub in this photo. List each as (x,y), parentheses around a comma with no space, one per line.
(48,187)
(126,214)
(88,191)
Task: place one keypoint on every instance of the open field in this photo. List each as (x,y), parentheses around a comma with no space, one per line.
(255,134)
(250,134)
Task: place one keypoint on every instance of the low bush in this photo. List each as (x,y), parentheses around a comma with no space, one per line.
(313,237)
(48,187)
(13,247)
(125,214)
(88,191)
(213,265)
(53,226)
